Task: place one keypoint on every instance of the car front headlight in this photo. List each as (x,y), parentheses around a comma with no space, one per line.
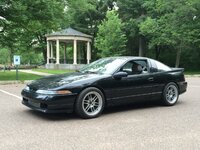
(48,92)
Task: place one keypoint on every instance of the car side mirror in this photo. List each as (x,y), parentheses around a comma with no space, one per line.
(120,75)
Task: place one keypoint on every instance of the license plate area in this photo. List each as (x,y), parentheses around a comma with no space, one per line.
(34,104)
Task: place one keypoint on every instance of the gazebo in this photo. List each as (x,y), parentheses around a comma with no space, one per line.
(66,36)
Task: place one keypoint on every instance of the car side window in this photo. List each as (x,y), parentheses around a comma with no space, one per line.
(159,67)
(153,67)
(127,68)
(135,67)
(143,64)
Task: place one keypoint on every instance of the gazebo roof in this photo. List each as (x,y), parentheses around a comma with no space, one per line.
(69,32)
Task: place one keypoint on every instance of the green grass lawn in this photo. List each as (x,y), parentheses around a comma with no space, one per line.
(52,71)
(11,75)
(191,72)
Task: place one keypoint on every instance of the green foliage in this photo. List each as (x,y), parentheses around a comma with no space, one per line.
(170,23)
(83,15)
(4,56)
(86,15)
(164,29)
(110,40)
(28,21)
(31,58)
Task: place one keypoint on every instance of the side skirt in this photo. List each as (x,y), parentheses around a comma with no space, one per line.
(134,98)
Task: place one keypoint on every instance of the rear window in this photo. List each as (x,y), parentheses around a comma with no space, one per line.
(160,66)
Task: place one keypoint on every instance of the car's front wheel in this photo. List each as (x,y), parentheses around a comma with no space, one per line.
(90,103)
(170,94)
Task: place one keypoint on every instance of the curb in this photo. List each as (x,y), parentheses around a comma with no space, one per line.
(15,82)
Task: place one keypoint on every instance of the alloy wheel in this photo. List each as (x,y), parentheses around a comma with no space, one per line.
(92,103)
(171,94)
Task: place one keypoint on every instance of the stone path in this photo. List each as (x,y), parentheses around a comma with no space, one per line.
(36,73)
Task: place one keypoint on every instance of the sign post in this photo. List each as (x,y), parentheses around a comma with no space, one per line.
(17,62)
(17,77)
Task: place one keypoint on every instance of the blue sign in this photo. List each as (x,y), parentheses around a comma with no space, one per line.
(16,60)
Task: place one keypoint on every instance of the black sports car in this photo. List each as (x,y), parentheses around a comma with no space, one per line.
(105,82)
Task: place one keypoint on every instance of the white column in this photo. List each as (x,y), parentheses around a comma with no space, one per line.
(88,53)
(47,52)
(57,52)
(75,52)
(51,45)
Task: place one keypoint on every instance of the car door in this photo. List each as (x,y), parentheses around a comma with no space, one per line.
(133,87)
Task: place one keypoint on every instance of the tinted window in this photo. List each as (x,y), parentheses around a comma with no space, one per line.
(135,67)
(127,67)
(160,66)
(143,64)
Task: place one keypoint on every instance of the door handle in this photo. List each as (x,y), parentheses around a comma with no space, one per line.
(151,79)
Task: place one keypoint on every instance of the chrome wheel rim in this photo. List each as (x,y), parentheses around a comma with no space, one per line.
(92,103)
(172,94)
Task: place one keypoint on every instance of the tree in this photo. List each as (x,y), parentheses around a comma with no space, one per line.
(170,24)
(4,56)
(132,13)
(168,30)
(28,21)
(110,40)
(87,17)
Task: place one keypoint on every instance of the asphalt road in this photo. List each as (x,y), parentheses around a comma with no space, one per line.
(137,126)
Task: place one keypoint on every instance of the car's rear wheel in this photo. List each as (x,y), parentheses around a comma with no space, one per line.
(90,103)
(170,94)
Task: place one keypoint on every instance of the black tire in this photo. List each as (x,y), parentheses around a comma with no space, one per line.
(170,94)
(86,103)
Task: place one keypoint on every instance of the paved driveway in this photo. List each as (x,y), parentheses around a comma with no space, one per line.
(137,126)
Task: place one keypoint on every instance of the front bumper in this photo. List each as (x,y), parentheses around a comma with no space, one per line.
(49,103)
(182,87)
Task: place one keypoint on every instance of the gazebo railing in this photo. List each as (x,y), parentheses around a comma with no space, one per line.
(70,61)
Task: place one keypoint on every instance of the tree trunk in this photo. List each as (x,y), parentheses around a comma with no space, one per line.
(157,49)
(178,57)
(141,46)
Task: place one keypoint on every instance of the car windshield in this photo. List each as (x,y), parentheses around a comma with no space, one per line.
(103,66)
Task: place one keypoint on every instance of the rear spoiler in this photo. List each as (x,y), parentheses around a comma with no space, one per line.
(177,69)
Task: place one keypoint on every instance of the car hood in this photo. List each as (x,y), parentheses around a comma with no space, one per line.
(56,81)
